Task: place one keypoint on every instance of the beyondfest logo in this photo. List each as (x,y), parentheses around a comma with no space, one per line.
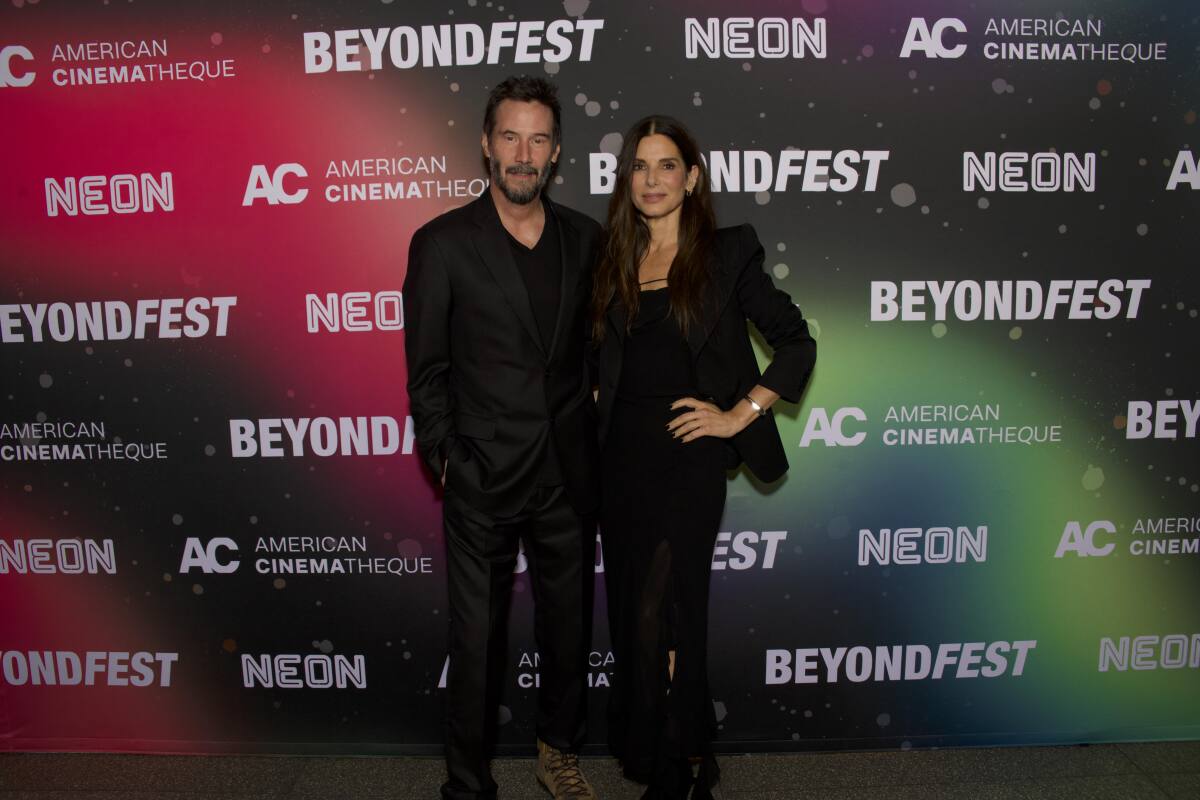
(460,45)
(909,662)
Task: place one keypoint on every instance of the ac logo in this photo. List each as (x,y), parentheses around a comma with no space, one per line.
(931,41)
(821,428)
(1186,172)
(207,557)
(7,54)
(264,185)
(1082,541)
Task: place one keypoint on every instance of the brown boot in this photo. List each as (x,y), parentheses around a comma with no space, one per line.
(559,773)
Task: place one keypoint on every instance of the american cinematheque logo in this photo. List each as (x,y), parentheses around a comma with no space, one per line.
(70,440)
(1145,536)
(925,425)
(112,63)
(1026,39)
(131,62)
(361,180)
(305,555)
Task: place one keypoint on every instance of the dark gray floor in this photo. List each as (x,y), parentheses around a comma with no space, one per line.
(1102,772)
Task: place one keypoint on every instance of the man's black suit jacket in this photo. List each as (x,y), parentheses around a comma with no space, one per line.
(485,391)
(726,368)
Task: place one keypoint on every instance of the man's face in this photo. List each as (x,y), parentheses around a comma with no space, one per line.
(521,149)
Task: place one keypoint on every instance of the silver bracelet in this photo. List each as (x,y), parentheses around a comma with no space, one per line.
(762,412)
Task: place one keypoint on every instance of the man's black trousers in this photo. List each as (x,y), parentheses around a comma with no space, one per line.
(560,547)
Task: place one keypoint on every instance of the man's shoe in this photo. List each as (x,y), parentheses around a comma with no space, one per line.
(559,773)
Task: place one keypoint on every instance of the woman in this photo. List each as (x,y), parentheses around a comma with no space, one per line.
(681,401)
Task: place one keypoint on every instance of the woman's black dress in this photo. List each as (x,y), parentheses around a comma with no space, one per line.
(662,504)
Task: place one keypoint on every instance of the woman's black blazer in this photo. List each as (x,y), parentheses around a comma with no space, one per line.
(720,345)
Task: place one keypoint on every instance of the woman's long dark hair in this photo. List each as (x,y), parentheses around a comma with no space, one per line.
(628,236)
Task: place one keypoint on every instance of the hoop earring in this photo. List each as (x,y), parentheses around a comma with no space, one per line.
(688,192)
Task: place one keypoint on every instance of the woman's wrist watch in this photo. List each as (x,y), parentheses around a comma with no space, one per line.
(759,410)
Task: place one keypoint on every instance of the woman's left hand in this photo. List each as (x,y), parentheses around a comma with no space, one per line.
(705,419)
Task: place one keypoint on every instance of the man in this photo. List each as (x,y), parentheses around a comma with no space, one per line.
(495,333)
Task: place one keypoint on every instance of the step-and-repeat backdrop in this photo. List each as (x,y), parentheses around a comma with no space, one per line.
(215,534)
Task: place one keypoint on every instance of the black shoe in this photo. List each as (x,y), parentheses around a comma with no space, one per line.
(673,781)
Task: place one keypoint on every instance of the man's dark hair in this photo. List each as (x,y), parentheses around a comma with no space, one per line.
(524,88)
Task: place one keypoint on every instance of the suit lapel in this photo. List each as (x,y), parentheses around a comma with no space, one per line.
(723,286)
(572,267)
(616,319)
(491,243)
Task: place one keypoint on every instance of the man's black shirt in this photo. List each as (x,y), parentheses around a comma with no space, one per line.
(541,269)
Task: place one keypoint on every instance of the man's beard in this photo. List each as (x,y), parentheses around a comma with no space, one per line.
(520,196)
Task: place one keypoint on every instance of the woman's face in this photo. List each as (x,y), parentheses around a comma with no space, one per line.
(659,178)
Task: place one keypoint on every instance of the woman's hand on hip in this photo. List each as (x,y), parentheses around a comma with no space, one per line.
(706,419)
